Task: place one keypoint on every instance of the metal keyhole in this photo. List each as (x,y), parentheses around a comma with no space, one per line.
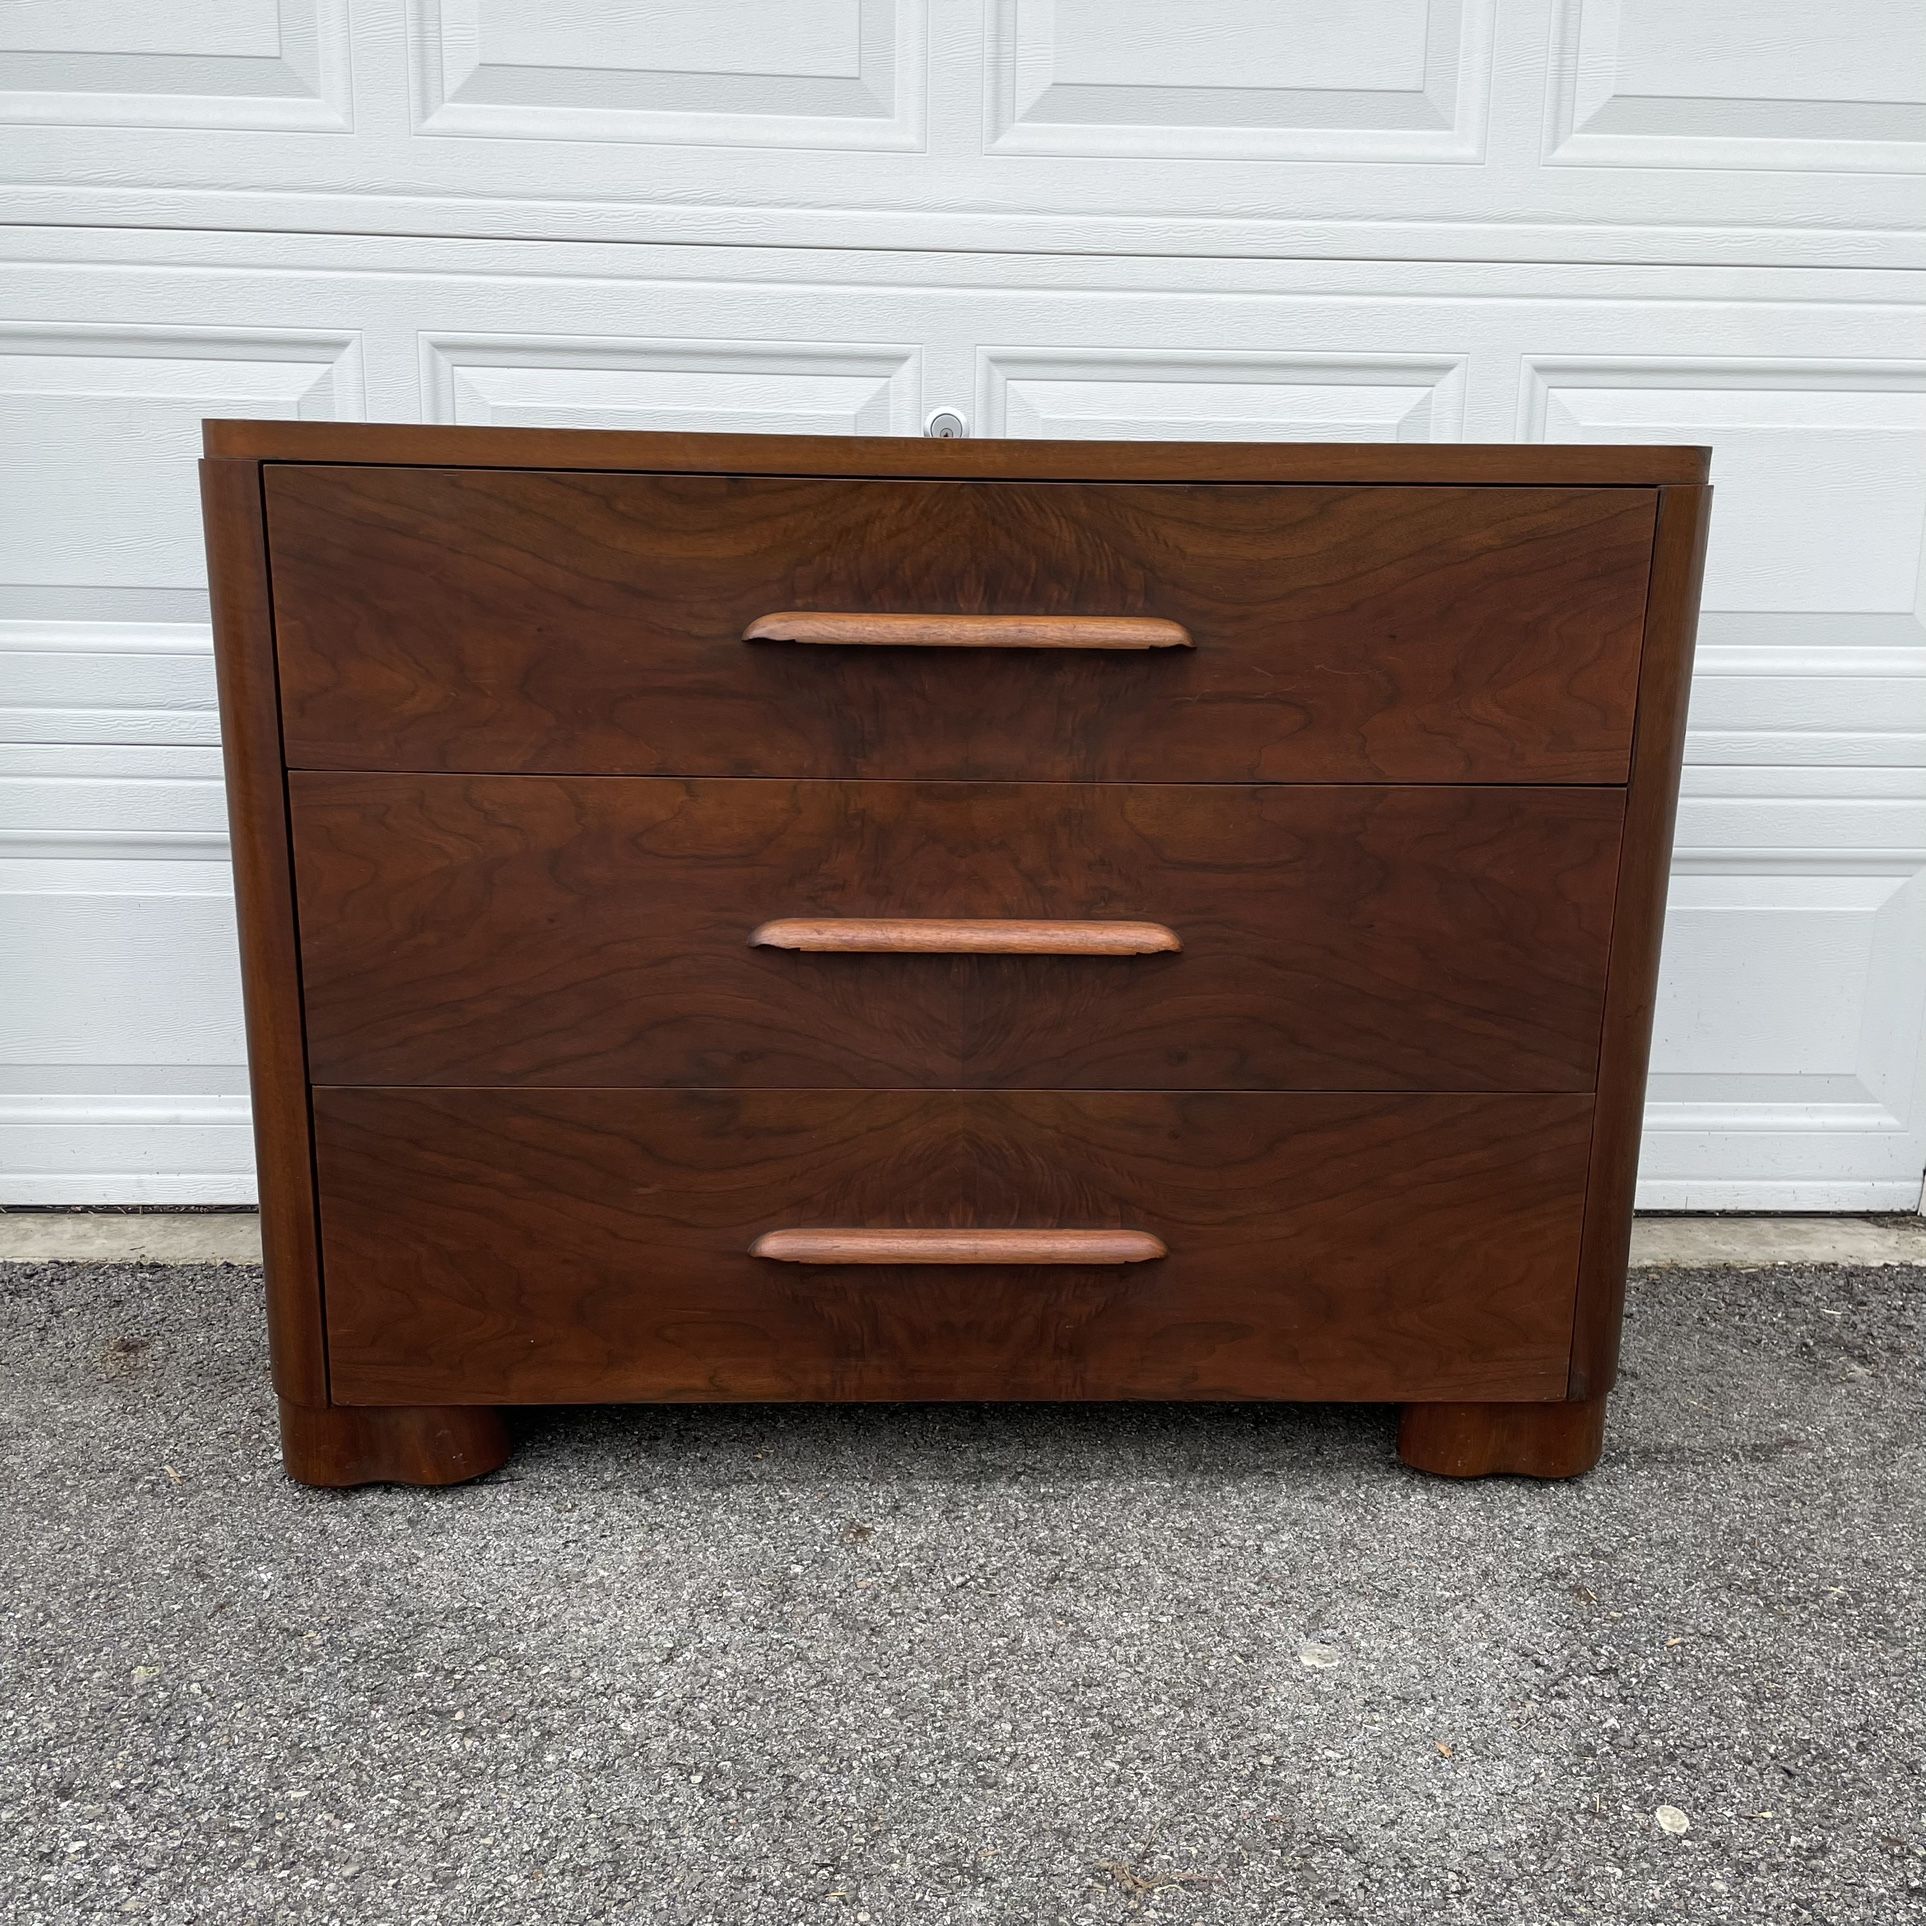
(946,425)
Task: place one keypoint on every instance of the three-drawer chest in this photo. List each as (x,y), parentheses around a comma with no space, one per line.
(778,918)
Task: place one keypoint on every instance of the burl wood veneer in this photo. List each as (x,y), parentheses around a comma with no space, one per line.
(740,917)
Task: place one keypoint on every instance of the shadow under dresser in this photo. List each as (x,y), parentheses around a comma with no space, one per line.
(777,918)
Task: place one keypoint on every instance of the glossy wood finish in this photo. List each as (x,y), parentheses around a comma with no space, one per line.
(975,1247)
(1665,683)
(1448,637)
(336,1445)
(264,901)
(566,1245)
(1559,1440)
(1507,465)
(552,930)
(969,631)
(961,936)
(491,620)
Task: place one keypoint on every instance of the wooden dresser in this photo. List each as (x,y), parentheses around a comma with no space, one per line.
(752,917)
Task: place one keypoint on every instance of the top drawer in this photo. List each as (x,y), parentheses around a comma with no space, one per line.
(511,620)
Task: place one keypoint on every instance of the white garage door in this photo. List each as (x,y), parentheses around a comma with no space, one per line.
(1564,220)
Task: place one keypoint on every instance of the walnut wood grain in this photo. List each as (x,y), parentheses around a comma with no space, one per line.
(490,620)
(474,601)
(910,1246)
(1665,684)
(585,930)
(1512,465)
(961,936)
(1550,1440)
(969,631)
(511,1247)
(264,903)
(338,1445)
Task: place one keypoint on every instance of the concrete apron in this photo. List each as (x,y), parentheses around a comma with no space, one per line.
(234,1237)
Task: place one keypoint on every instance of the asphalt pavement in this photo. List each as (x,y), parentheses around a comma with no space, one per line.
(760,1666)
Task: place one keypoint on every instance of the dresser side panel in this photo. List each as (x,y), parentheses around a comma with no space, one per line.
(1658,748)
(264,903)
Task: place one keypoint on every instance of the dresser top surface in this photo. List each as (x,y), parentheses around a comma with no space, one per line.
(1490,464)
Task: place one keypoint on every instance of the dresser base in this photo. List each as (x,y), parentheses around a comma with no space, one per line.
(1480,1440)
(448,1444)
(404,1444)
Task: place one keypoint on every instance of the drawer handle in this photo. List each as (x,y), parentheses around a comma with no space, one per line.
(958,1246)
(961,936)
(971,631)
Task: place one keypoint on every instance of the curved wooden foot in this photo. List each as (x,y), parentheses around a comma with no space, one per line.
(1529,1440)
(398,1444)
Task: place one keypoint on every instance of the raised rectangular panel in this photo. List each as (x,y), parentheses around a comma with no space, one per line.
(1739,83)
(1759,1058)
(1406,130)
(121,1053)
(1240,79)
(833,73)
(748,387)
(1787,1059)
(1788,1069)
(99,508)
(275,65)
(1145,395)
(1820,468)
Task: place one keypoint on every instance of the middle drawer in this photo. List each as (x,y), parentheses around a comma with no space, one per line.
(585,930)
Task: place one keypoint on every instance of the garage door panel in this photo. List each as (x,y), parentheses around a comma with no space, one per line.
(1803,827)
(741,387)
(1787,1049)
(101,423)
(122,1064)
(1551,129)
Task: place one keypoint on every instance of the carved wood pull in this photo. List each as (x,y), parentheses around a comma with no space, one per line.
(971,631)
(961,936)
(958,1246)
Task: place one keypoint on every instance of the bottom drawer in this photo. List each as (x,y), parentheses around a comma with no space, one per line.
(560,1246)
